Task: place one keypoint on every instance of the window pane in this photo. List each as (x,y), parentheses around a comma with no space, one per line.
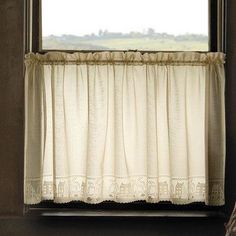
(166,25)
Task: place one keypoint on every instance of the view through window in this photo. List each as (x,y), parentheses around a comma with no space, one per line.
(150,25)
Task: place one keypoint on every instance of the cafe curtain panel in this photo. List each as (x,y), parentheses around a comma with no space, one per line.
(124,126)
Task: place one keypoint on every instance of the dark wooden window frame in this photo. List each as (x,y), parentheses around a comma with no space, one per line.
(217,42)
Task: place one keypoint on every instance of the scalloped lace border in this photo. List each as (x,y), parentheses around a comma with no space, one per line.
(124,189)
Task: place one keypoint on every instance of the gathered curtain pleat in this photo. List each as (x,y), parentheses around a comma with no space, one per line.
(124,126)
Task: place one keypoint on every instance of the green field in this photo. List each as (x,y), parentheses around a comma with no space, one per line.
(143,43)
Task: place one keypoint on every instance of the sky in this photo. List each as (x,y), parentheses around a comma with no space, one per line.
(80,17)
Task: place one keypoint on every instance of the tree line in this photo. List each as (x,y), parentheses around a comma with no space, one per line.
(149,33)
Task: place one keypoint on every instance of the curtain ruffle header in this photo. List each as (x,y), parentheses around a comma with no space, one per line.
(126,57)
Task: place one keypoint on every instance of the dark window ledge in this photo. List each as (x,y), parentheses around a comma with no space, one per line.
(63,212)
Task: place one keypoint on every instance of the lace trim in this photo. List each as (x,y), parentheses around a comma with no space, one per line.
(182,58)
(122,190)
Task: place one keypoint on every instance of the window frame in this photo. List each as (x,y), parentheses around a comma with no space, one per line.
(217,28)
(217,43)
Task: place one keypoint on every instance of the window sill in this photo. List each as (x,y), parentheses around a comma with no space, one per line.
(61,212)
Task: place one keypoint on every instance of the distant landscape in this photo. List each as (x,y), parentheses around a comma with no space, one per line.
(149,40)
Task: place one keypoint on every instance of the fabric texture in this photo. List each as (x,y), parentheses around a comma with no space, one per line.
(124,126)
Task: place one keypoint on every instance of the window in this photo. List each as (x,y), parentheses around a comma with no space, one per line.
(152,25)
(38,35)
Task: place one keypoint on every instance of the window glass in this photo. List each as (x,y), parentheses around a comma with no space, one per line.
(165,25)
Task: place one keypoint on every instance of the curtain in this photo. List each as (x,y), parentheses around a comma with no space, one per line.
(124,126)
(231,225)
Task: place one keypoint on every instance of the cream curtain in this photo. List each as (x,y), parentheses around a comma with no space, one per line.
(124,127)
